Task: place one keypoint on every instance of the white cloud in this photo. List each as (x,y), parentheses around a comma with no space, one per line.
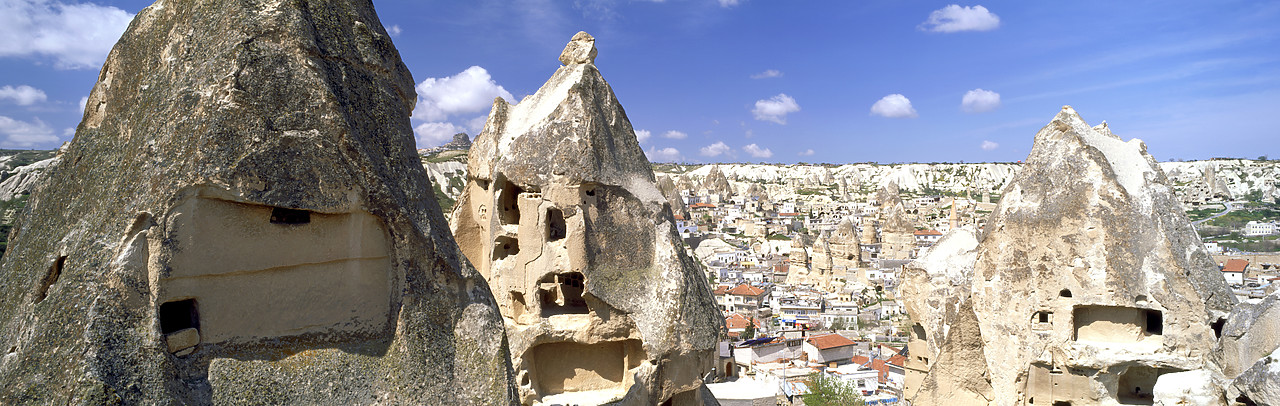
(978,101)
(729,3)
(756,152)
(23,95)
(807,152)
(954,18)
(988,145)
(771,73)
(74,35)
(675,135)
(775,109)
(470,91)
(643,135)
(435,134)
(476,125)
(894,106)
(394,30)
(83,101)
(21,134)
(714,150)
(656,154)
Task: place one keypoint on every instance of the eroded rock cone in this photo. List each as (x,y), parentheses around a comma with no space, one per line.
(562,216)
(1088,286)
(242,219)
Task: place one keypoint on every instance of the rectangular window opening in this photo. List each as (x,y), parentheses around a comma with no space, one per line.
(281,215)
(178,315)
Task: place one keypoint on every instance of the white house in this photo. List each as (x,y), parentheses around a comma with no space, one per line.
(829,348)
(1258,228)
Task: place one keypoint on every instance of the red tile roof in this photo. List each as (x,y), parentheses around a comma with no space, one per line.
(679,217)
(928,232)
(746,290)
(829,341)
(737,321)
(703,205)
(1235,265)
(720,290)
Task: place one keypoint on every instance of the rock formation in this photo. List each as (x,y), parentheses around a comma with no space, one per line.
(897,232)
(846,253)
(717,183)
(25,178)
(1088,285)
(562,216)
(242,219)
(460,142)
(798,270)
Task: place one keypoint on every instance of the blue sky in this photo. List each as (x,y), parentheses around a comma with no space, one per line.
(777,81)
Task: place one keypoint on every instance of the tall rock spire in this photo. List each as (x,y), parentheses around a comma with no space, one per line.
(242,219)
(562,216)
(1089,284)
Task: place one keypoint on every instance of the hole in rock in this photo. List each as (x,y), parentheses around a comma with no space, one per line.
(504,247)
(1065,293)
(555,224)
(1135,385)
(509,202)
(590,367)
(1115,324)
(1217,327)
(281,215)
(562,294)
(918,330)
(179,315)
(50,277)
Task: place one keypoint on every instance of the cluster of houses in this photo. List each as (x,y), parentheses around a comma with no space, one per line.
(1251,280)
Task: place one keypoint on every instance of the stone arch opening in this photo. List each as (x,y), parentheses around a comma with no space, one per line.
(1064,293)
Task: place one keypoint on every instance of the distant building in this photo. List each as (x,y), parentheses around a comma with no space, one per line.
(1233,271)
(829,348)
(1258,228)
(926,238)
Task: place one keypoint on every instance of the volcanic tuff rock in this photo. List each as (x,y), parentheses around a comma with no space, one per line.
(562,216)
(242,219)
(1088,285)
(846,253)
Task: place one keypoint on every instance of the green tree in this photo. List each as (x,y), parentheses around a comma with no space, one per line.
(839,324)
(829,391)
(750,331)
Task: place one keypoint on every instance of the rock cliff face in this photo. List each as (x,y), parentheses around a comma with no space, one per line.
(1088,286)
(562,216)
(242,219)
